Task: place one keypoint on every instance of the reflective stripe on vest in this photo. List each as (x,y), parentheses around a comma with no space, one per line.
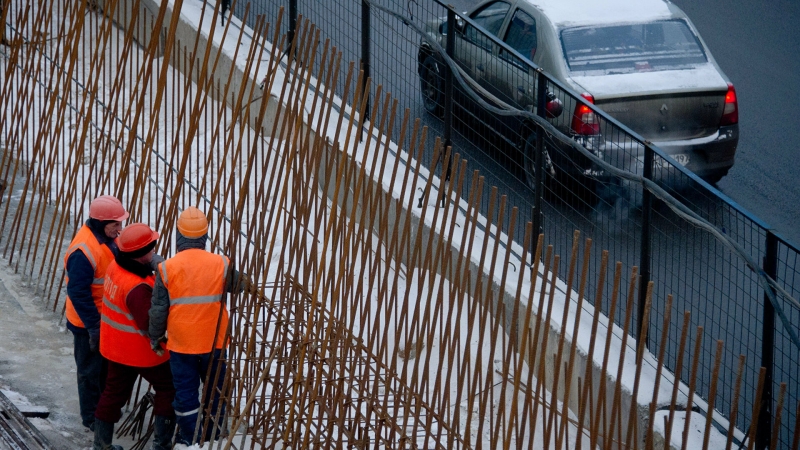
(195,280)
(99,256)
(121,327)
(121,340)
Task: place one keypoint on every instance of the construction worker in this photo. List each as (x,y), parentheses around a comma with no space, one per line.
(124,341)
(88,256)
(189,314)
(223,7)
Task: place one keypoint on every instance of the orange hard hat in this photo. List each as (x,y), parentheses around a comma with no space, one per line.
(192,223)
(107,207)
(135,236)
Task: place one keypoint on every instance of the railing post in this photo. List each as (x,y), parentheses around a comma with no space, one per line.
(365,55)
(292,21)
(644,254)
(541,106)
(450,43)
(767,347)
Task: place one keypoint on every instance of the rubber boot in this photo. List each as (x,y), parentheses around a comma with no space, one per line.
(103,435)
(164,430)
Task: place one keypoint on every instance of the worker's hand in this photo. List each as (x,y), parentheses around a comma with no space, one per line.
(245,284)
(94,341)
(157,259)
(155,345)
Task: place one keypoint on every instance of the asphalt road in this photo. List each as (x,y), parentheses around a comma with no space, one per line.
(756,44)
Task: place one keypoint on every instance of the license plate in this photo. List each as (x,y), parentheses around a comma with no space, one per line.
(682,158)
(659,163)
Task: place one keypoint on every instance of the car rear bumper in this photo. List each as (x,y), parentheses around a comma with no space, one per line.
(710,157)
(707,156)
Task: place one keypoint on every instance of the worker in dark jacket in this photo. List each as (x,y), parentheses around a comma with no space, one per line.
(88,256)
(223,7)
(189,313)
(124,341)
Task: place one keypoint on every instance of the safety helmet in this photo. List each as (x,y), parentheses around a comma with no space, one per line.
(192,223)
(135,236)
(107,207)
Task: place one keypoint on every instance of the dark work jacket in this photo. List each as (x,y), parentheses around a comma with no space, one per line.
(81,276)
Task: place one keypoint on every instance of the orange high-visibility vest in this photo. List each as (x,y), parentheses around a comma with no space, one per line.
(195,280)
(121,340)
(100,256)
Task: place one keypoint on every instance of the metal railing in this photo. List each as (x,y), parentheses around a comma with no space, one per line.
(736,275)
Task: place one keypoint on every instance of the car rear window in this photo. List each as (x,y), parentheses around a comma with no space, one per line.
(613,49)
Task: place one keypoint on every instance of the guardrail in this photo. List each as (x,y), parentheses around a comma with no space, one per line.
(737,277)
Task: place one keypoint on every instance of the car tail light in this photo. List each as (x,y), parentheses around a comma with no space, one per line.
(585,121)
(730,115)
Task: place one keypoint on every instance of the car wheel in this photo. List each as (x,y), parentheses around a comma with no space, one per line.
(529,161)
(432,86)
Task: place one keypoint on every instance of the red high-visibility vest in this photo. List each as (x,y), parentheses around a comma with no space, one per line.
(100,256)
(121,340)
(195,280)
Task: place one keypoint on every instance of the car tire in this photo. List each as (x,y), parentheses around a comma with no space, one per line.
(432,86)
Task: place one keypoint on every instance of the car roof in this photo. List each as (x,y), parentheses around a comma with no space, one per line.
(572,13)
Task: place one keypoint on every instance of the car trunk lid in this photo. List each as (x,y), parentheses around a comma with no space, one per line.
(663,105)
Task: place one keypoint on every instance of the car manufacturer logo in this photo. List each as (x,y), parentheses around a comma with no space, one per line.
(664,108)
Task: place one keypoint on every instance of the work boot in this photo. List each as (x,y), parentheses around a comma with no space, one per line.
(164,429)
(103,435)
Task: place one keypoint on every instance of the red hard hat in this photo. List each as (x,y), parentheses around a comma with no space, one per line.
(107,207)
(135,236)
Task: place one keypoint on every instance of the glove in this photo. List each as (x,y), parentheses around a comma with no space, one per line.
(157,259)
(155,345)
(94,341)
(244,283)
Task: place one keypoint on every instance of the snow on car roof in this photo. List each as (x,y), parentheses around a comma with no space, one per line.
(564,13)
(702,77)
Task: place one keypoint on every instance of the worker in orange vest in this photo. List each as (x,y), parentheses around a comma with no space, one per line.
(124,341)
(91,251)
(190,315)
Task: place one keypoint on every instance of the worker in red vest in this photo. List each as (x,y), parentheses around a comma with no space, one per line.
(88,256)
(190,315)
(124,341)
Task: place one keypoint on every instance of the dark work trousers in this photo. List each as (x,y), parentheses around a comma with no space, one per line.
(119,385)
(188,371)
(91,376)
